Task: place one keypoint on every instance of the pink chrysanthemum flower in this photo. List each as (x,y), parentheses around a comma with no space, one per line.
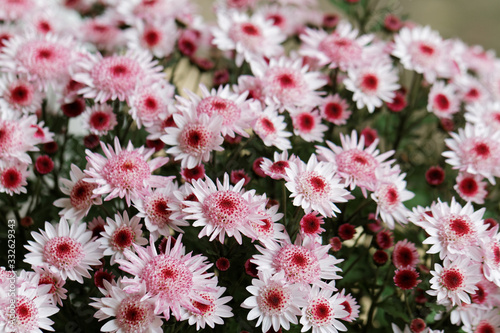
(354,163)
(268,229)
(475,149)
(120,234)
(124,173)
(271,128)
(422,50)
(405,254)
(471,187)
(222,209)
(307,124)
(99,119)
(235,110)
(277,169)
(67,250)
(389,195)
(323,311)
(471,90)
(372,84)
(148,10)
(174,279)
(132,312)
(455,280)
(102,32)
(46,60)
(305,262)
(19,95)
(158,36)
(17,10)
(341,49)
(287,83)
(150,102)
(250,37)
(194,138)
(210,313)
(334,109)
(80,193)
(483,321)
(17,137)
(13,176)
(116,77)
(32,307)
(443,101)
(252,85)
(454,230)
(274,302)
(283,17)
(157,210)
(350,305)
(315,186)
(490,248)
(485,114)
(54,280)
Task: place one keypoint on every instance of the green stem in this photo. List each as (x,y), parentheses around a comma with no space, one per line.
(373,305)
(284,198)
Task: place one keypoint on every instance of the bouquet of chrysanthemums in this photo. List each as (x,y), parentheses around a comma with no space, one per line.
(278,168)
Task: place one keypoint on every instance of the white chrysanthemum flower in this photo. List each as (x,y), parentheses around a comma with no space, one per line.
(120,234)
(151,102)
(471,187)
(323,312)
(287,83)
(117,76)
(422,50)
(18,137)
(173,279)
(270,127)
(222,209)
(80,193)
(18,95)
(33,305)
(315,186)
(389,195)
(454,230)
(307,124)
(124,172)
(158,36)
(157,209)
(194,138)
(132,312)
(490,247)
(341,49)
(354,162)
(485,114)
(475,149)
(277,169)
(13,177)
(443,101)
(211,312)
(250,37)
(99,119)
(455,280)
(70,251)
(372,84)
(274,302)
(46,60)
(305,262)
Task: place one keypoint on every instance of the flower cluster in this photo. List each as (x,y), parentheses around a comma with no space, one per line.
(280,168)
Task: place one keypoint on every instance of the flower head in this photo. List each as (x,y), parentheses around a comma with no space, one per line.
(124,172)
(69,251)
